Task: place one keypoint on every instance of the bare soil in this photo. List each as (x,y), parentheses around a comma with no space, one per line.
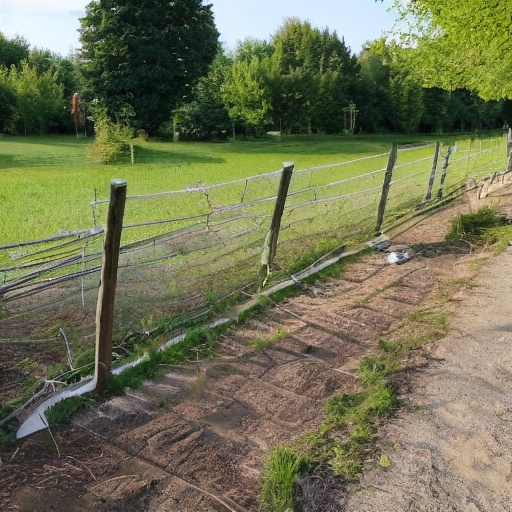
(196,440)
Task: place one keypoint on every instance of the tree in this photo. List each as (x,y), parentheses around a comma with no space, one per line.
(462,44)
(206,116)
(7,100)
(317,78)
(13,51)
(39,100)
(146,53)
(245,96)
(374,96)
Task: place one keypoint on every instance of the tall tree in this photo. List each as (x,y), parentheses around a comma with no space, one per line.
(318,77)
(245,96)
(147,54)
(7,100)
(13,51)
(462,44)
(206,116)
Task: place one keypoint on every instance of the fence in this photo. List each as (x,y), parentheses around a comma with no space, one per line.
(185,250)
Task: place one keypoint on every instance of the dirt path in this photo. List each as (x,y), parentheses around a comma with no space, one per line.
(196,439)
(454,438)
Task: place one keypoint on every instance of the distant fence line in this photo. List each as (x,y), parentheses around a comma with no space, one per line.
(193,246)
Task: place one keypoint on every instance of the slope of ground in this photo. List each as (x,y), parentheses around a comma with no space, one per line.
(196,440)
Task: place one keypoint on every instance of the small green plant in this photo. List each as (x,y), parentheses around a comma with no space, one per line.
(261,344)
(284,465)
(474,225)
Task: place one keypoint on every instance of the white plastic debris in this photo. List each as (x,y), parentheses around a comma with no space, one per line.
(399,257)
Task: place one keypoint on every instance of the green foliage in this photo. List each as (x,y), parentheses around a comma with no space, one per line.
(475,224)
(283,466)
(206,116)
(8,429)
(355,412)
(198,344)
(133,377)
(39,100)
(461,44)
(61,413)
(247,101)
(113,141)
(146,54)
(13,51)
(7,101)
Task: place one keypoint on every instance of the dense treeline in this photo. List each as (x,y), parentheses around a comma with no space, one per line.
(306,80)
(303,80)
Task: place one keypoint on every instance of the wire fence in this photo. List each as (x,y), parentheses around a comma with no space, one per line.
(185,250)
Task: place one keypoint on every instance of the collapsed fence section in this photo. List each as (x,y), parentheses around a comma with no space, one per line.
(183,251)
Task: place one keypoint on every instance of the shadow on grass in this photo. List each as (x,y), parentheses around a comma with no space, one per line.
(168,155)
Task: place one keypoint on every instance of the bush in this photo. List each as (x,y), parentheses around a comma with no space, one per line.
(113,140)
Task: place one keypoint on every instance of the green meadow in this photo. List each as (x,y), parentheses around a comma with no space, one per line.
(47,183)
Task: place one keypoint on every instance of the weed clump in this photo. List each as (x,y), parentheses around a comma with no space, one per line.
(284,467)
(474,225)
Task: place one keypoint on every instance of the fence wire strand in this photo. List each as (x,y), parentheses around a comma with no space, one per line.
(184,249)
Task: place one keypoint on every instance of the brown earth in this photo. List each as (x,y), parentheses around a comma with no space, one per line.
(196,440)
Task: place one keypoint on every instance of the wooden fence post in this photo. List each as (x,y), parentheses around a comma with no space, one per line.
(107,291)
(445,169)
(385,187)
(270,245)
(509,142)
(433,173)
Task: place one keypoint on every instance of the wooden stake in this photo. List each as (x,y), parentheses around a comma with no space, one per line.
(445,169)
(433,173)
(270,245)
(107,291)
(385,187)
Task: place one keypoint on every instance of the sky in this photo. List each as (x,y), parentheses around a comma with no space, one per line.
(53,24)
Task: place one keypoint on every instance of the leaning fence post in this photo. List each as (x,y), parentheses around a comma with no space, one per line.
(107,291)
(445,169)
(433,173)
(270,245)
(385,187)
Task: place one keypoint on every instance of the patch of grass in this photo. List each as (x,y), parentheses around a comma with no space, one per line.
(8,428)
(61,413)
(133,377)
(474,225)
(260,306)
(284,465)
(198,344)
(499,237)
(260,344)
(341,441)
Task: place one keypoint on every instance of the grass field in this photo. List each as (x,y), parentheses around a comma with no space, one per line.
(47,182)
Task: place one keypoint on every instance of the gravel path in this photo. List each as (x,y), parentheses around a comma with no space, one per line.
(451,449)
